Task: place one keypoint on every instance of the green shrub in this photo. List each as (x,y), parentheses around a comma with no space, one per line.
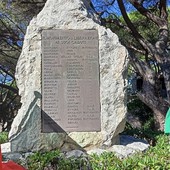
(55,160)
(145,132)
(137,108)
(3,137)
(156,158)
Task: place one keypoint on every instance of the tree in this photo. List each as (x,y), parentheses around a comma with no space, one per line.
(148,50)
(13,24)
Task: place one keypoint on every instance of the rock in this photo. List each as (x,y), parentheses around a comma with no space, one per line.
(138,146)
(97,151)
(25,134)
(75,153)
(6,147)
(122,151)
(128,146)
(127,140)
(12,156)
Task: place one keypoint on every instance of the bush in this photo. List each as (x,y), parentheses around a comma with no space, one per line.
(143,133)
(156,158)
(3,137)
(55,160)
(137,108)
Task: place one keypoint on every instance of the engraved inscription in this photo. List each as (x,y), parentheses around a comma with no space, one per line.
(70,80)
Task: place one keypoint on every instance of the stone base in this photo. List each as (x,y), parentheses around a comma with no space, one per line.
(127,147)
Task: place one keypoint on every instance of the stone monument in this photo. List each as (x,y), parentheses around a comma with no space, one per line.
(71,77)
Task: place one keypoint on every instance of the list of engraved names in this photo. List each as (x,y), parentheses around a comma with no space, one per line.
(70,79)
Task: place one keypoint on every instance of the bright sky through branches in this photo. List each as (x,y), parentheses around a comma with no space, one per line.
(107,7)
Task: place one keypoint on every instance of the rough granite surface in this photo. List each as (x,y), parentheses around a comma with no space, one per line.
(25,134)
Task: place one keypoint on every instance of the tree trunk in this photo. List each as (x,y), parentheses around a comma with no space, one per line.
(166,73)
(150,97)
(159,117)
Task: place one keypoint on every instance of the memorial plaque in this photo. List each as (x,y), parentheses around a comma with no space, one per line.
(70,81)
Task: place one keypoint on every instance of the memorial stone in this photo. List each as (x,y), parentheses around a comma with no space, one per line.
(71,77)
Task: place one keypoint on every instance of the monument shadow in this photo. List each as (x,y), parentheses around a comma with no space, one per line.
(30,137)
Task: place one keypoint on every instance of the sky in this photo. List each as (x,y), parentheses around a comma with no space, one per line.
(104,5)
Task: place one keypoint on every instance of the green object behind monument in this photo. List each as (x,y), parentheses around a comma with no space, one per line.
(167,122)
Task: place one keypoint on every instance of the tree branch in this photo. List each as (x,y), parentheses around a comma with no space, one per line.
(163,11)
(6,55)
(7,72)
(157,20)
(131,47)
(140,65)
(161,44)
(9,88)
(144,43)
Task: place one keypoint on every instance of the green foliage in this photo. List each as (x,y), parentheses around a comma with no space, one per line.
(136,107)
(38,160)
(156,158)
(13,24)
(3,137)
(145,115)
(133,30)
(143,133)
(55,160)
